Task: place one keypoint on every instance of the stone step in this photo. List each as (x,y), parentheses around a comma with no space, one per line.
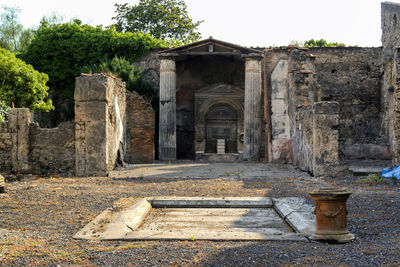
(365,167)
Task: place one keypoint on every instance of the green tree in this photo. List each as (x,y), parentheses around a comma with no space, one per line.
(10,29)
(62,50)
(21,85)
(163,19)
(12,34)
(321,43)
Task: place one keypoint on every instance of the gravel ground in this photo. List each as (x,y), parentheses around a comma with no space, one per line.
(39,216)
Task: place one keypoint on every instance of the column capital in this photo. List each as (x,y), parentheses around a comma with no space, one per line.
(253,65)
(167,64)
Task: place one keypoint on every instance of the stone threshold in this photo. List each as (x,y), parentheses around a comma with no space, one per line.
(127,224)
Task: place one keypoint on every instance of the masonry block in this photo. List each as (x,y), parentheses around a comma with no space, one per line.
(325,138)
(19,120)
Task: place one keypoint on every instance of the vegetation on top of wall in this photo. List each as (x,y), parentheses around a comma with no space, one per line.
(3,111)
(162,19)
(62,50)
(125,70)
(321,43)
(316,43)
(21,85)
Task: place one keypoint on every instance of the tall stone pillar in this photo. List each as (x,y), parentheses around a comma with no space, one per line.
(252,108)
(325,159)
(19,120)
(167,124)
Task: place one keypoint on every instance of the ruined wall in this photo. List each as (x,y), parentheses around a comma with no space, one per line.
(302,144)
(100,123)
(351,76)
(149,66)
(141,129)
(24,147)
(325,155)
(390,91)
(52,150)
(5,147)
(276,102)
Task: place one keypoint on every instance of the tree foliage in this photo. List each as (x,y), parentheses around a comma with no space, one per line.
(321,43)
(21,85)
(127,72)
(162,19)
(10,28)
(62,50)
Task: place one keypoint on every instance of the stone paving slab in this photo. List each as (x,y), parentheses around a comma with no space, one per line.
(206,202)
(297,213)
(196,170)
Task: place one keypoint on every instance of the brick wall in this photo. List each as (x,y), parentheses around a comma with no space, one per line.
(141,128)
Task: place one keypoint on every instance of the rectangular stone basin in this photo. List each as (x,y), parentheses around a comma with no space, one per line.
(182,218)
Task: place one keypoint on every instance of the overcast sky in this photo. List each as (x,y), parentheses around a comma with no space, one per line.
(245,22)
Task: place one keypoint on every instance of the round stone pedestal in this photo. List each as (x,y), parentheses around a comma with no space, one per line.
(331,215)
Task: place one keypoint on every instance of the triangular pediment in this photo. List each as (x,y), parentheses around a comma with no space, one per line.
(220,89)
(211,46)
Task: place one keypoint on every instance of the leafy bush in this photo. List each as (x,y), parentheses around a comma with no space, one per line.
(127,72)
(3,111)
(21,85)
(62,50)
(321,43)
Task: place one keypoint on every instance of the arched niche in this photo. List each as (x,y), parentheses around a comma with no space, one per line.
(219,115)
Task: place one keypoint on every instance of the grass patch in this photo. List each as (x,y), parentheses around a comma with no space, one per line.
(373,178)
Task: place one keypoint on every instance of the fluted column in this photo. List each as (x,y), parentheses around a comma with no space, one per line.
(167,125)
(252,108)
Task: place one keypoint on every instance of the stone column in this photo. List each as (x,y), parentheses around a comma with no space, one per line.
(167,124)
(19,119)
(325,158)
(252,107)
(99,123)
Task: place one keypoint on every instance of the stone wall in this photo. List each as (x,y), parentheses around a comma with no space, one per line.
(141,129)
(390,91)
(52,150)
(149,66)
(301,97)
(5,147)
(302,140)
(299,79)
(24,147)
(352,77)
(325,155)
(100,123)
(276,103)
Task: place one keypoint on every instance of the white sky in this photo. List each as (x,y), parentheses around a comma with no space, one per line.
(244,22)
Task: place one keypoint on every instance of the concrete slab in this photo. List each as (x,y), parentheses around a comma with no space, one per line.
(183,218)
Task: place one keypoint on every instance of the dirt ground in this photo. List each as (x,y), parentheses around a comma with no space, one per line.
(39,216)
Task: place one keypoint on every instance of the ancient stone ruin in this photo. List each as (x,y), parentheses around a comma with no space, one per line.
(317,108)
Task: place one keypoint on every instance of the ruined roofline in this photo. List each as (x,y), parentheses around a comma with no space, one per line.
(243,49)
(387,3)
(305,48)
